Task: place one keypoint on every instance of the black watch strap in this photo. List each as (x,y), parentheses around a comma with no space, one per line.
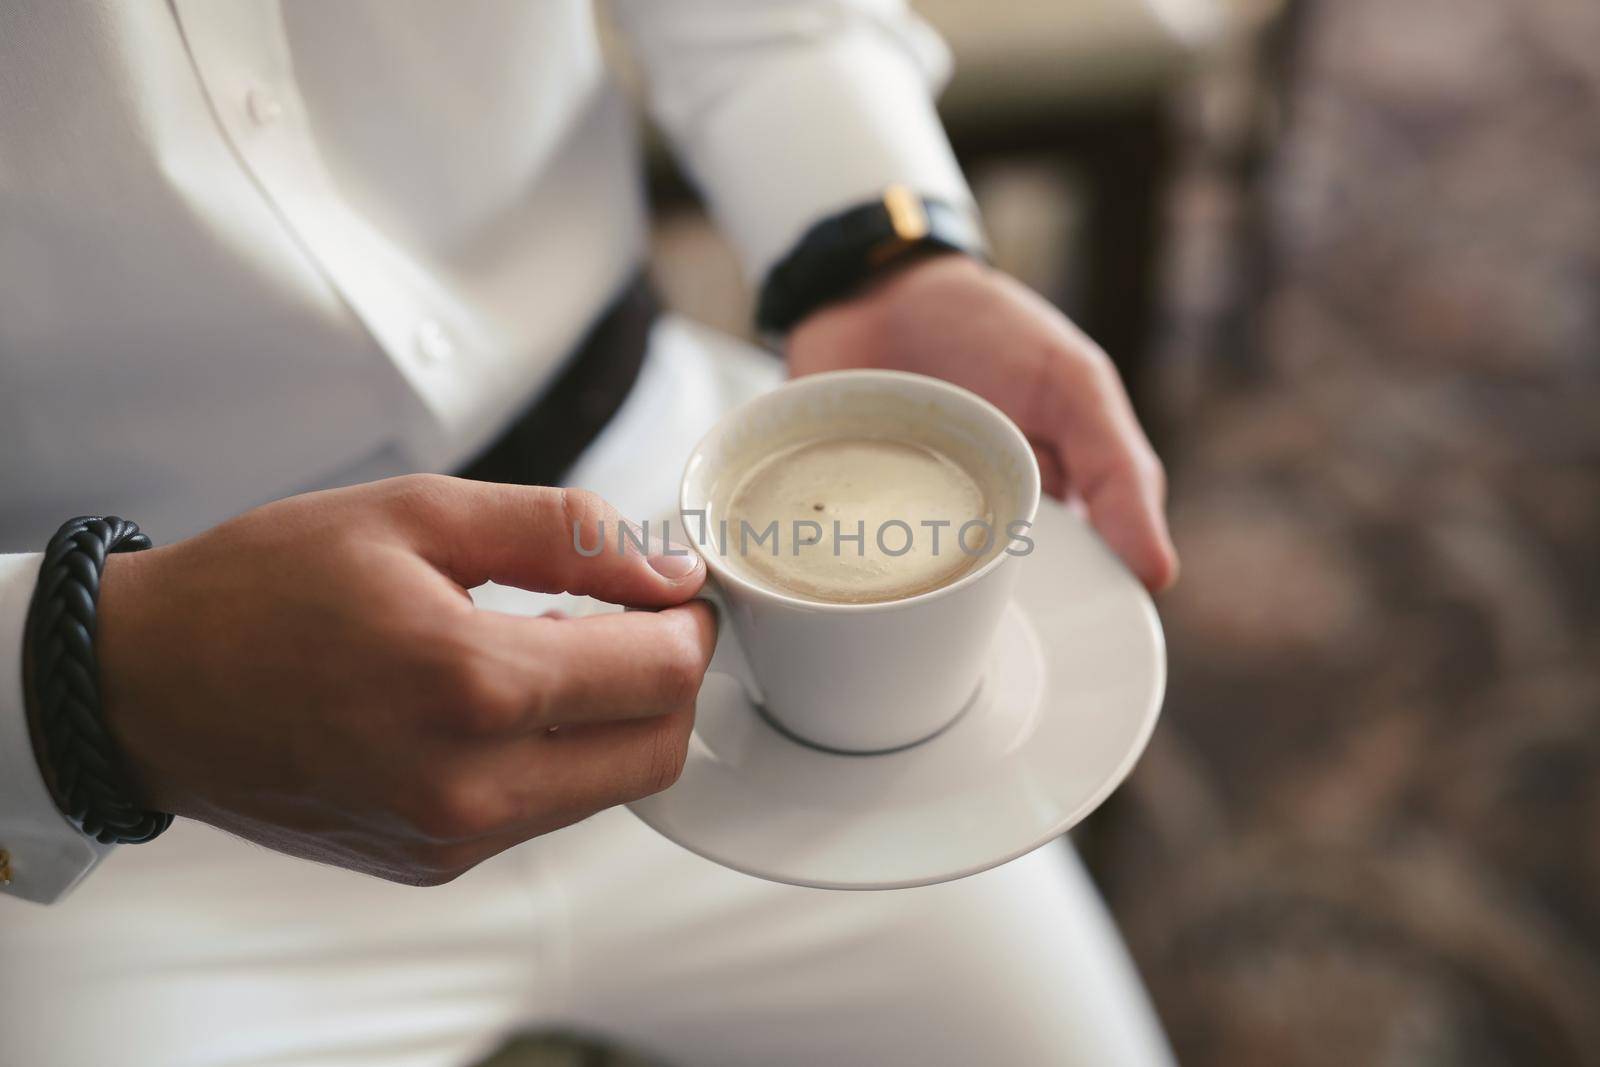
(80,759)
(842,252)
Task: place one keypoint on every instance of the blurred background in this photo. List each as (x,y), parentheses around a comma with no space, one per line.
(1347,255)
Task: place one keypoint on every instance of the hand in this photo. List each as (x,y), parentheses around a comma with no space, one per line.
(954,318)
(313,676)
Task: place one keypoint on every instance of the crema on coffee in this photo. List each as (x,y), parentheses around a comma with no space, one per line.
(854,520)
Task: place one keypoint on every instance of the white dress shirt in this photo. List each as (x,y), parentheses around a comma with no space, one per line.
(255,248)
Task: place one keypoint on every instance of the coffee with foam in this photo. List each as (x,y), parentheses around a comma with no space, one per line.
(854,520)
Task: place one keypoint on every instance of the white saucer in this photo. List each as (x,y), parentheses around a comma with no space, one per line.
(1071,697)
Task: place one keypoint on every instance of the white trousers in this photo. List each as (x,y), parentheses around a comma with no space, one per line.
(200,949)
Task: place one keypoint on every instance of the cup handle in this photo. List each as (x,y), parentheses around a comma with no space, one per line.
(729,657)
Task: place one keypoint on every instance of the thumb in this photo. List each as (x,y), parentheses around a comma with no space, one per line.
(548,540)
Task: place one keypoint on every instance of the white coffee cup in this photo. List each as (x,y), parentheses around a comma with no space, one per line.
(876,676)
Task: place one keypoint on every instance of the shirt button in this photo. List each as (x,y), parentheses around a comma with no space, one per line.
(263,107)
(433,343)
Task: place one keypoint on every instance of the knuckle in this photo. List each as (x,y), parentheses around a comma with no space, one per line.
(1157,474)
(1100,360)
(669,751)
(423,501)
(680,674)
(472,696)
(1086,367)
(488,706)
(683,663)
(582,508)
(541,704)
(422,492)
(1146,467)
(455,810)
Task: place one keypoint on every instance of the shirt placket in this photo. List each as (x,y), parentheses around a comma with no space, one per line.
(242,57)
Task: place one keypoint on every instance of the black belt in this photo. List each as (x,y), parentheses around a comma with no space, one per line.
(545,440)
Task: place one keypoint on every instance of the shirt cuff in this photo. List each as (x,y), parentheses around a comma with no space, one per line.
(825,126)
(47,854)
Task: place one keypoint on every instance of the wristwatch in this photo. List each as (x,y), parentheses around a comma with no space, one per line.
(842,252)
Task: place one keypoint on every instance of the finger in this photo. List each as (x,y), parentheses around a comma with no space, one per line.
(597,765)
(1109,462)
(543,539)
(529,786)
(1127,510)
(624,665)
(505,793)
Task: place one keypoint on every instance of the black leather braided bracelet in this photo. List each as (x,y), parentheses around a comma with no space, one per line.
(79,757)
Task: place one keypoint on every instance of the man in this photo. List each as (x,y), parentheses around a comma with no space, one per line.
(254,249)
